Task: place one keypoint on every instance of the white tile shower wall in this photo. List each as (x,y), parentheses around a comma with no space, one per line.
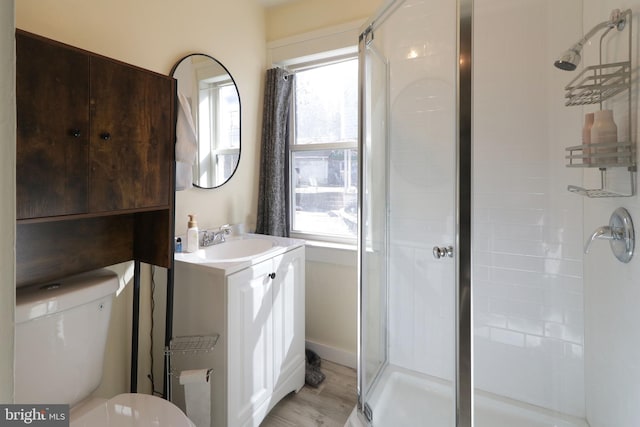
(419,44)
(527,254)
(612,290)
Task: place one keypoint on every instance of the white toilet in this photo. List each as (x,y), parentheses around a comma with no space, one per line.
(61,334)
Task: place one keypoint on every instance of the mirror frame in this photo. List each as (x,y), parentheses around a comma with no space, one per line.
(173,70)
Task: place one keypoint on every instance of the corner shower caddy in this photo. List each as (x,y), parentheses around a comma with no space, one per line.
(594,85)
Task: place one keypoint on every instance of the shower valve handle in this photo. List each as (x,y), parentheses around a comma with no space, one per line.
(441,252)
(619,233)
(604,232)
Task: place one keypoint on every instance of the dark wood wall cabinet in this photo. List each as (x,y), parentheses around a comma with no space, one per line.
(95,158)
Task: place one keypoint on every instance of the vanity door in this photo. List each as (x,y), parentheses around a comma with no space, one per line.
(266,335)
(288,322)
(250,350)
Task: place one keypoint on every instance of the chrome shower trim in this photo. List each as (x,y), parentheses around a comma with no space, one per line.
(464,155)
(379,17)
(361,123)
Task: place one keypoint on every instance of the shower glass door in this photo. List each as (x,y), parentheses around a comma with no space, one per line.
(408,214)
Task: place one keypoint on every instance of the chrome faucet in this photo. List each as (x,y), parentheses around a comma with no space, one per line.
(214,237)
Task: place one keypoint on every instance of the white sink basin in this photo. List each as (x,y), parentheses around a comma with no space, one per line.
(240,252)
(231,250)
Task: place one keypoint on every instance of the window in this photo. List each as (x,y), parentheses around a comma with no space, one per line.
(219,130)
(324,152)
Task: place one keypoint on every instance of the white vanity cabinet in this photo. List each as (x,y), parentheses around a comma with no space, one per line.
(259,313)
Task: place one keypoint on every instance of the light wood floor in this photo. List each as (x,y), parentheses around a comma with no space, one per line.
(329,405)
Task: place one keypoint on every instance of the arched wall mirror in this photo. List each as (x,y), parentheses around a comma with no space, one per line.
(213,101)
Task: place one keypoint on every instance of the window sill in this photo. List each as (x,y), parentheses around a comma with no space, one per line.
(332,253)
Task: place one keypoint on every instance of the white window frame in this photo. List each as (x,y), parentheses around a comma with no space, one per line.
(328,59)
(306,50)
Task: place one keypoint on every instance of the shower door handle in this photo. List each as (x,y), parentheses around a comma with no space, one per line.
(441,252)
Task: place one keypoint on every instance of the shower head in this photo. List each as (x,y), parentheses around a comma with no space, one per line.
(570,59)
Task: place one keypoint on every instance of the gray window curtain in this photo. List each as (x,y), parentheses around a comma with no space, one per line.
(273,193)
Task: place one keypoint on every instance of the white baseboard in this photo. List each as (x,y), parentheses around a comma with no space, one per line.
(335,355)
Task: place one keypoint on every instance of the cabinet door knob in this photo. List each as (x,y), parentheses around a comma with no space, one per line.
(105,135)
(75,132)
(272,275)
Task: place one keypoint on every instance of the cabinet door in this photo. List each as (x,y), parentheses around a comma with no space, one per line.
(250,350)
(131,151)
(52,97)
(288,316)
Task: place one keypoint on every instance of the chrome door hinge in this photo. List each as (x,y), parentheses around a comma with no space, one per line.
(368,413)
(367,35)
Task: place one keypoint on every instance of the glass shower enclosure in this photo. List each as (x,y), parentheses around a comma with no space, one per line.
(409,71)
(477,303)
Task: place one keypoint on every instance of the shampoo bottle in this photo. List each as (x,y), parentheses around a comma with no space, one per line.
(192,234)
(604,131)
(586,137)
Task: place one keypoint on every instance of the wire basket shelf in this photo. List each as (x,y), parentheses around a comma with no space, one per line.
(602,155)
(193,344)
(598,83)
(593,194)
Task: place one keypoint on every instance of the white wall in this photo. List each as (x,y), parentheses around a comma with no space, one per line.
(7,194)
(154,35)
(298,17)
(612,289)
(331,308)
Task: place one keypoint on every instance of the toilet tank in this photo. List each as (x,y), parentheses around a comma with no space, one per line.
(61,334)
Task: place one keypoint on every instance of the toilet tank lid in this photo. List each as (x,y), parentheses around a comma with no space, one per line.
(39,300)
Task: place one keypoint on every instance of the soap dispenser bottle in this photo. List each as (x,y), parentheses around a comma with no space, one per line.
(192,234)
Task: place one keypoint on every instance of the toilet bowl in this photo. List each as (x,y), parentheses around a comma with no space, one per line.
(60,342)
(129,410)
